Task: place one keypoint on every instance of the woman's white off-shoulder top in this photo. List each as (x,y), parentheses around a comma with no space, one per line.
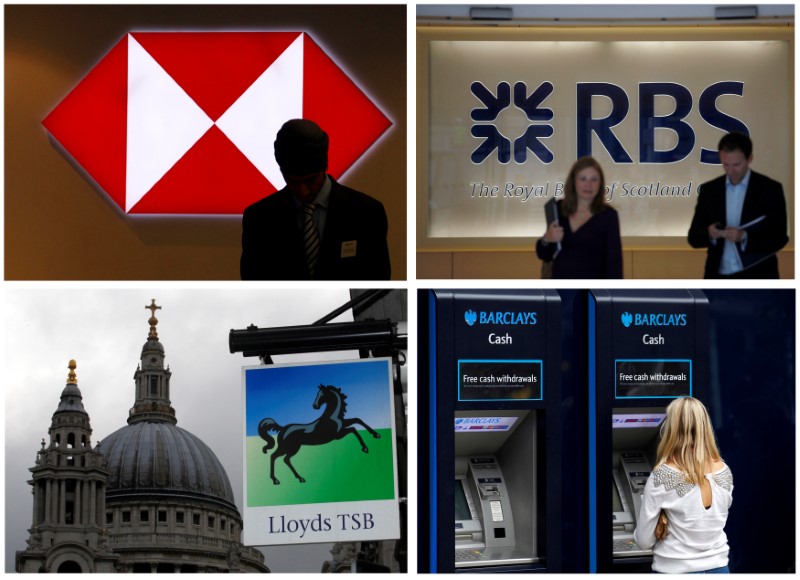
(695,540)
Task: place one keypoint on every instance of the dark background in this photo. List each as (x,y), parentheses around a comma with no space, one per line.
(752,405)
(58,227)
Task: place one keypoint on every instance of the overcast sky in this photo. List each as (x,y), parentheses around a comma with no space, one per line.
(104,331)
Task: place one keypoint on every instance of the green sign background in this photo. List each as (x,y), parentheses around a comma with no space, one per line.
(335,472)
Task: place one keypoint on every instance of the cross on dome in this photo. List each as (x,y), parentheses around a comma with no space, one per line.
(153,320)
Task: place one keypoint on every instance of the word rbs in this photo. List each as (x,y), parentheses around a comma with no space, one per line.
(538,115)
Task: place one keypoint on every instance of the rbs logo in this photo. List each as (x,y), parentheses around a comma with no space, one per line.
(587,124)
(493,105)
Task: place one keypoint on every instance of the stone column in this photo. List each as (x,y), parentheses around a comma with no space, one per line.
(48,500)
(35,519)
(62,501)
(76,515)
(92,517)
(87,503)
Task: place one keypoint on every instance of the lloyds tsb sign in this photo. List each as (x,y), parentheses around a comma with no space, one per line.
(319,447)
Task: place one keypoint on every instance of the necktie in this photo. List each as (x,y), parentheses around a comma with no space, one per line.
(310,236)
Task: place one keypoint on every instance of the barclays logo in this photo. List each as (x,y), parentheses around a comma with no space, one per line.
(500,318)
(651,319)
(470,317)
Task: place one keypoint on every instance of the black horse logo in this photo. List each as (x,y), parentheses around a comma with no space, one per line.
(329,426)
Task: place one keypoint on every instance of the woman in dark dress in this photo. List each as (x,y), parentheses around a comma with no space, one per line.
(587,228)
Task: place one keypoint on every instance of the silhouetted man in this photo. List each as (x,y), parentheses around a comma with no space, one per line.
(314,228)
(740,216)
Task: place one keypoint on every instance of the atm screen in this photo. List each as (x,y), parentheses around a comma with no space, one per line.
(462,508)
(616,502)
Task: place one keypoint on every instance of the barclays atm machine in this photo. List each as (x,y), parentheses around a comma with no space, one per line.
(646,348)
(489,431)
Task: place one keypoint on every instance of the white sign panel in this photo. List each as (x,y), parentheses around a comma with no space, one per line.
(319,453)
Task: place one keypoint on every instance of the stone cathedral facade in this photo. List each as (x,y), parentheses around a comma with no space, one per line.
(151,497)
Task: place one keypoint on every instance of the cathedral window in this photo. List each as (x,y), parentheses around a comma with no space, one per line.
(179,517)
(126,517)
(196,519)
(222,525)
(211,522)
(70,440)
(109,518)
(162,516)
(154,386)
(144,516)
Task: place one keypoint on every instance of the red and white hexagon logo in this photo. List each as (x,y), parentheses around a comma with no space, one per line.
(184,122)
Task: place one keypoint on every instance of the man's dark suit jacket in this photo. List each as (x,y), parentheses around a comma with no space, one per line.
(764,197)
(272,244)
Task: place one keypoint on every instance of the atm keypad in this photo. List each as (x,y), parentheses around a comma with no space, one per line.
(625,545)
(469,555)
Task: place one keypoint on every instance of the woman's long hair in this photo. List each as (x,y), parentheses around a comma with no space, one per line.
(570,203)
(687,439)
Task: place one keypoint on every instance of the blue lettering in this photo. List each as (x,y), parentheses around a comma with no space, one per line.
(587,125)
(343,518)
(648,122)
(507,318)
(640,319)
(272,530)
(601,127)
(718,119)
(368,521)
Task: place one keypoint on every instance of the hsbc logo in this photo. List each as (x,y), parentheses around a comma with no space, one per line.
(494,103)
(184,122)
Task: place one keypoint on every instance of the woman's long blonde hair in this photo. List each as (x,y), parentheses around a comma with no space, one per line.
(687,439)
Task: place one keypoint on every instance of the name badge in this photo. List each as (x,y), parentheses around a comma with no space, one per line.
(349,249)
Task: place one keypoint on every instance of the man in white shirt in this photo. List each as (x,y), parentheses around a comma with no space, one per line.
(740,216)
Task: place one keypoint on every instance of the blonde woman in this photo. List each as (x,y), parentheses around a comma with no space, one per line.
(687,497)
